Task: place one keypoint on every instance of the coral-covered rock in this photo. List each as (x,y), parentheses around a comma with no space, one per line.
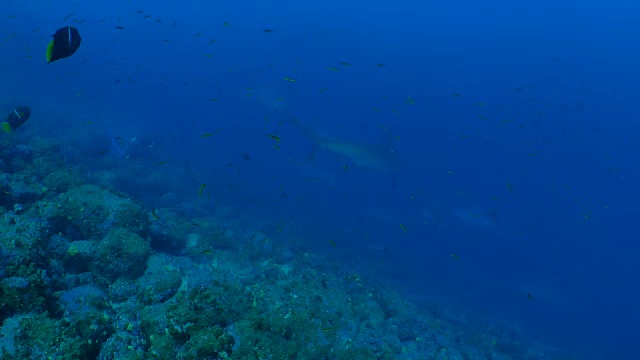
(121,253)
(93,212)
(61,181)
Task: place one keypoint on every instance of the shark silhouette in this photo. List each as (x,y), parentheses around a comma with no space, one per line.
(378,157)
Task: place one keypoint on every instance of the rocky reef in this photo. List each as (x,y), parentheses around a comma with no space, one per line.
(87,272)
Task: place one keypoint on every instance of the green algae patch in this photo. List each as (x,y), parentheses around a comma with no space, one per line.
(60,181)
(25,289)
(55,339)
(163,347)
(209,343)
(94,211)
(195,310)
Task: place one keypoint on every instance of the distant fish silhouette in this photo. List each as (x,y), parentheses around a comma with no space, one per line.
(375,157)
(379,157)
(548,294)
(476,217)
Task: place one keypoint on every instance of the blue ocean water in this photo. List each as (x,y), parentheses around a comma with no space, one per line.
(478,156)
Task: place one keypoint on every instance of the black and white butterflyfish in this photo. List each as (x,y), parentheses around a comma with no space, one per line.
(65,42)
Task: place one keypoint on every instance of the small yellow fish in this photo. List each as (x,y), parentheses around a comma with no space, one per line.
(345,167)
(201,190)
(333,69)
(289,79)
(226,24)
(375,109)
(332,243)
(455,256)
(410,100)
(404,228)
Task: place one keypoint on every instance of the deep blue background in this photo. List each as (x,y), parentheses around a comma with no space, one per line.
(519,156)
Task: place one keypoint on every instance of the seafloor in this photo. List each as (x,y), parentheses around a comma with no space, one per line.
(87,272)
